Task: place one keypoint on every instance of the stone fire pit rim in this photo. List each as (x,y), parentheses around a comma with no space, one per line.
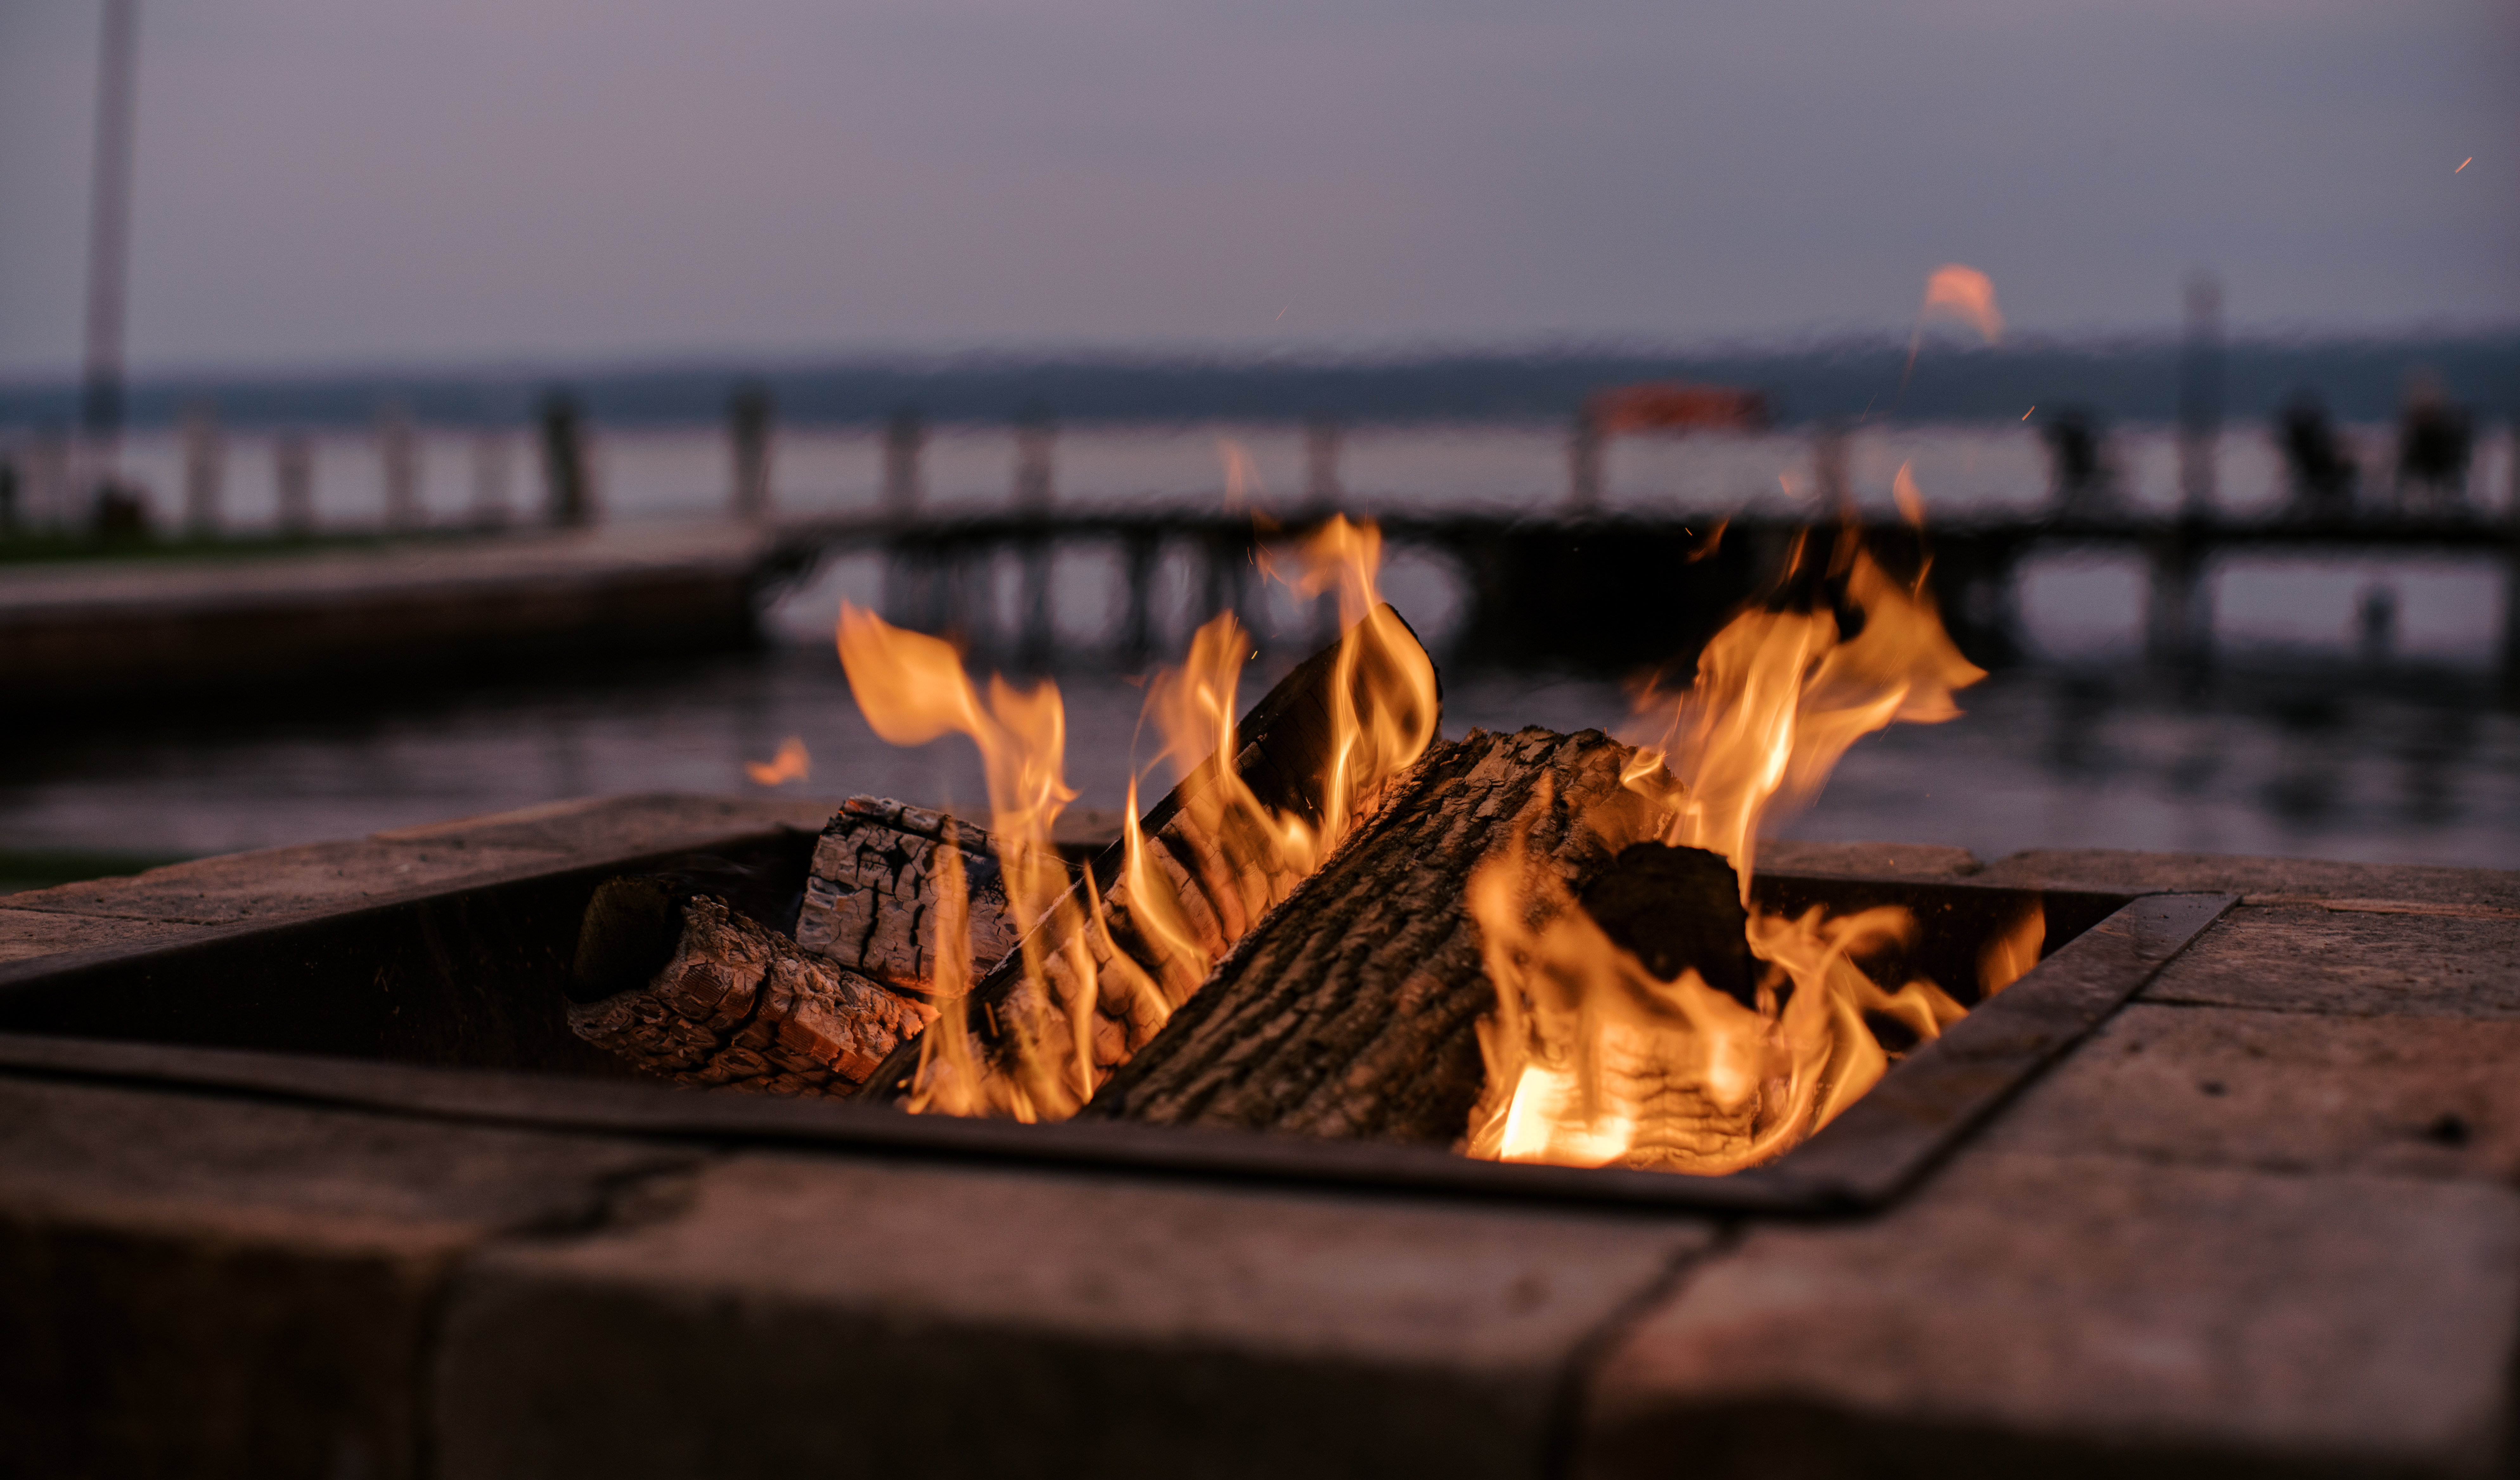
(1869,1158)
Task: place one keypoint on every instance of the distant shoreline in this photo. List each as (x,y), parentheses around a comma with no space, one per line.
(2358,379)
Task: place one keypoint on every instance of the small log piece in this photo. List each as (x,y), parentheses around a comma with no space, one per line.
(683,987)
(871,892)
(1350,1010)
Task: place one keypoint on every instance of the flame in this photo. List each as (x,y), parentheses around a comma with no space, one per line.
(1591,1058)
(790,763)
(1242,475)
(1780,696)
(913,690)
(2012,949)
(1593,1061)
(1383,702)
(1911,504)
(1963,292)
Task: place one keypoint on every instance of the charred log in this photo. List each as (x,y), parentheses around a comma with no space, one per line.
(1350,1011)
(683,987)
(871,893)
(1676,910)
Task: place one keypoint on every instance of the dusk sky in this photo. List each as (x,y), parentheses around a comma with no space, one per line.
(465,181)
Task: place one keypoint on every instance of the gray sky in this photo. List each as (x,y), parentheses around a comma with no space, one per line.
(349,181)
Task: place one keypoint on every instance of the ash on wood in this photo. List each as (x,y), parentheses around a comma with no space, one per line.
(683,987)
(1350,1011)
(871,892)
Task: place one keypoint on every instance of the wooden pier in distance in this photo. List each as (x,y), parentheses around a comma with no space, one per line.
(1603,591)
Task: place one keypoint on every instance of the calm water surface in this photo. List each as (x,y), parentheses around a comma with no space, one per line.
(2303,742)
(2303,759)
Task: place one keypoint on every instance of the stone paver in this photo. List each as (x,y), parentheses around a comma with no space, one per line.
(1925,862)
(281,882)
(2029,1314)
(2292,1092)
(805,1313)
(202,1285)
(2305,959)
(2262,1221)
(26,934)
(2107,868)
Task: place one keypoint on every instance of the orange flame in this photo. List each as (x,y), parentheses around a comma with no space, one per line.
(1383,702)
(913,690)
(2013,951)
(1591,1058)
(1911,504)
(790,763)
(1242,475)
(1779,696)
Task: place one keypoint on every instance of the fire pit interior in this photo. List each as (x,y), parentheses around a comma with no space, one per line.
(1459,959)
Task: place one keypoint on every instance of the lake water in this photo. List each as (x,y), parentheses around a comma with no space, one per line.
(2306,740)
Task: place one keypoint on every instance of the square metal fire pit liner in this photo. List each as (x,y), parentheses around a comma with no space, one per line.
(1868,1156)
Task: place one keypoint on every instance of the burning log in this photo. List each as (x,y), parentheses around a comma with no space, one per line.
(676,982)
(1352,1010)
(1137,936)
(872,894)
(889,879)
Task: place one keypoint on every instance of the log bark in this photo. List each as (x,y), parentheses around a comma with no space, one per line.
(683,987)
(1349,1012)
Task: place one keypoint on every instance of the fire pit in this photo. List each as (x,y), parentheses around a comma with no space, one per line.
(1443,1140)
(238,1144)
(476,978)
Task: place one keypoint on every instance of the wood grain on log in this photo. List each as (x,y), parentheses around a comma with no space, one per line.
(686,988)
(1350,1010)
(871,892)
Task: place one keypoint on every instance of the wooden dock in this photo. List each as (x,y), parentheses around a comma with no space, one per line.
(91,634)
(1608,591)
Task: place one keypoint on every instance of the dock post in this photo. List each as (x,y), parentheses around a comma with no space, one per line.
(1035,437)
(748,411)
(292,472)
(1139,550)
(1322,487)
(2200,396)
(1229,567)
(491,509)
(2511,579)
(905,437)
(398,449)
(2179,617)
(568,483)
(1583,464)
(205,470)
